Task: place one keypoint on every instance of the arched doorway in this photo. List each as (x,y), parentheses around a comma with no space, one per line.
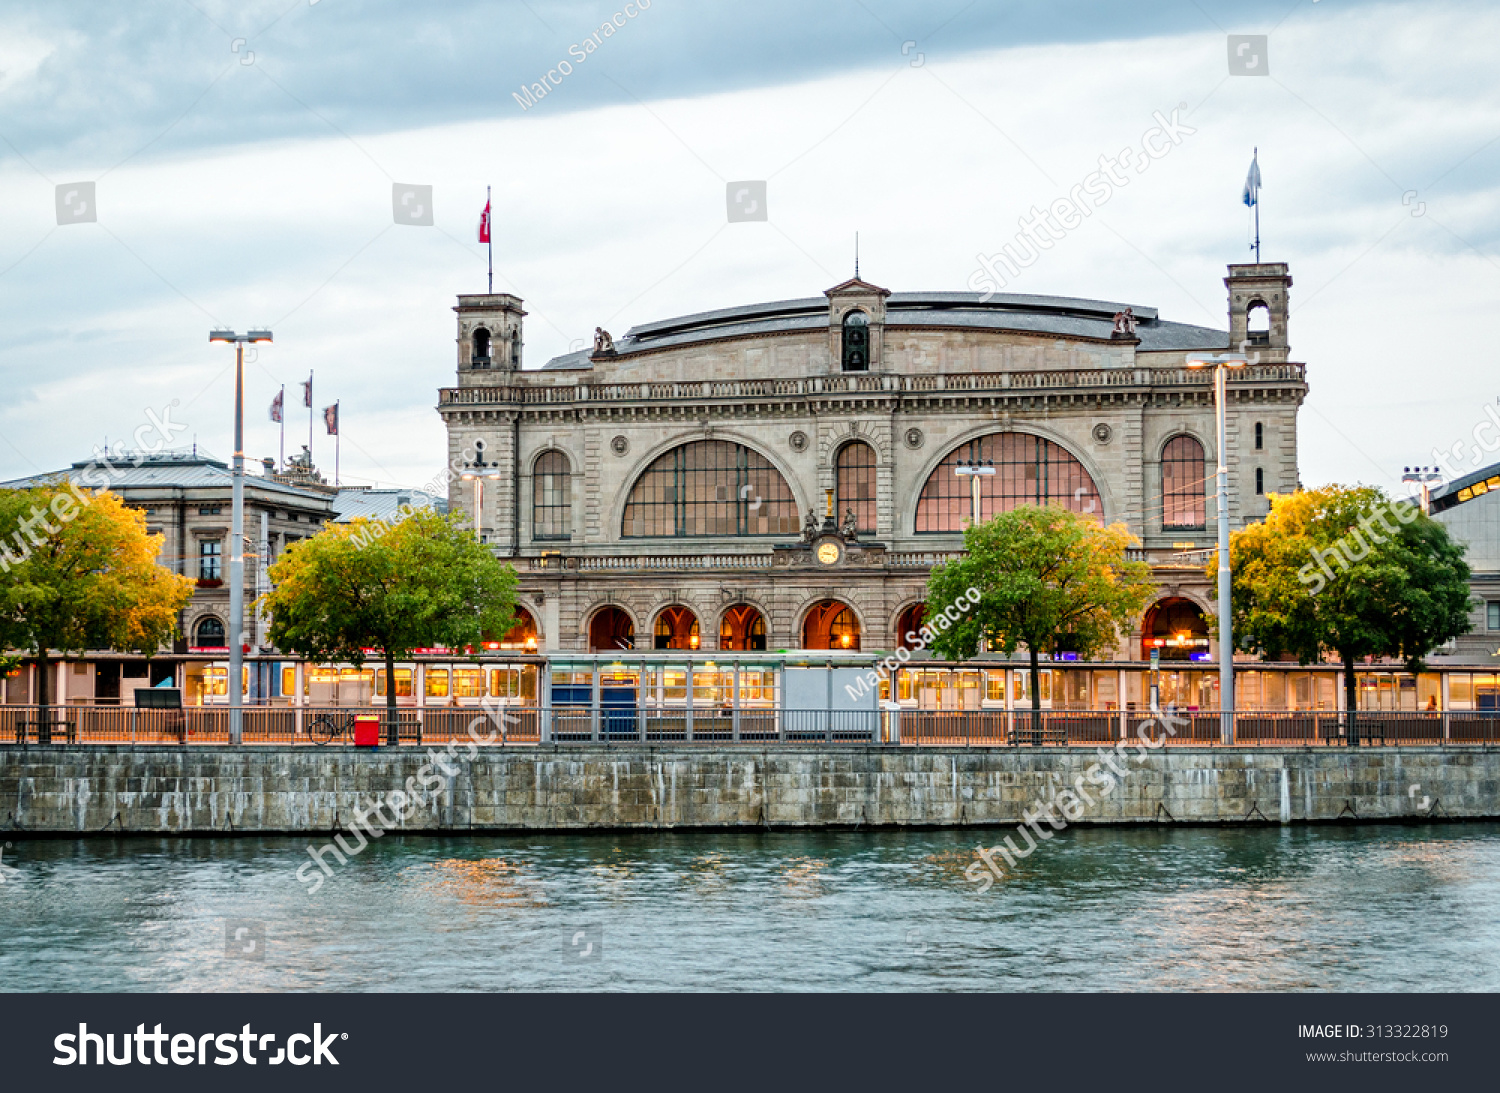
(609,630)
(521,637)
(742,630)
(676,628)
(830,625)
(909,626)
(1177,629)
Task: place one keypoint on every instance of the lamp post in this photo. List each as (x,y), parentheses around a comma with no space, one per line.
(974,470)
(1219,362)
(237,532)
(1423,477)
(478,477)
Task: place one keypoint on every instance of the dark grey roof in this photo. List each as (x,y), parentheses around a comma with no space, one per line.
(1447,497)
(382,504)
(166,471)
(1064,316)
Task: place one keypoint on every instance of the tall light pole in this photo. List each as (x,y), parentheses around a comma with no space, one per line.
(1219,362)
(478,477)
(1423,477)
(237,532)
(974,471)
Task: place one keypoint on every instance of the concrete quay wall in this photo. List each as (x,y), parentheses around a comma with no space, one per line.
(264,790)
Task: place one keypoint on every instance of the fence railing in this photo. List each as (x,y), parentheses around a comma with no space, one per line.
(714,725)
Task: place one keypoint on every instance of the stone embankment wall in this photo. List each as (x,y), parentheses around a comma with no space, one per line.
(146,790)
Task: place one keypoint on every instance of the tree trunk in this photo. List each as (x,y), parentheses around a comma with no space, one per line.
(1036,698)
(43,710)
(1351,702)
(392,726)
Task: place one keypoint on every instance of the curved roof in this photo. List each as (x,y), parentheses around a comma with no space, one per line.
(1466,488)
(1063,316)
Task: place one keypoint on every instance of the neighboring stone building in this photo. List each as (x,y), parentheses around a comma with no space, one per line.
(784,475)
(1470,508)
(186,498)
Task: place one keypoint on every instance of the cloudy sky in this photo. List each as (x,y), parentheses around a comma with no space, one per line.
(243,156)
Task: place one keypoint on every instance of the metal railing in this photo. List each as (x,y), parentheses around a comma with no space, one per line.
(530,725)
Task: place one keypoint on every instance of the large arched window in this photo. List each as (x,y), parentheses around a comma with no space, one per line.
(210,634)
(552,497)
(1029,470)
(710,487)
(856,341)
(855,481)
(1183,484)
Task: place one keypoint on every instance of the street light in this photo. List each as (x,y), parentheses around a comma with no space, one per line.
(1219,362)
(1424,477)
(974,470)
(237,532)
(478,477)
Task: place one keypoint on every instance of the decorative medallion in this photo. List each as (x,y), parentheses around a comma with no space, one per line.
(829,552)
(619,445)
(1103,433)
(914,438)
(798,441)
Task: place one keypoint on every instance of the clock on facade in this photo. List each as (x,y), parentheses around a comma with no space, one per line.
(829,553)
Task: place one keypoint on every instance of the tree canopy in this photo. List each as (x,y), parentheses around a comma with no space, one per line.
(1048,578)
(1345,570)
(424,581)
(78,571)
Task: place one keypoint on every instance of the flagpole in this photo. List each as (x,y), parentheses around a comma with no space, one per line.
(338,442)
(490,242)
(281,462)
(1257,210)
(309,421)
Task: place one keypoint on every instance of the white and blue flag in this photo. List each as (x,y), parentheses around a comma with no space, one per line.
(1252,182)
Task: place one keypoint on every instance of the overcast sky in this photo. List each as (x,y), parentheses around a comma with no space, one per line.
(243,156)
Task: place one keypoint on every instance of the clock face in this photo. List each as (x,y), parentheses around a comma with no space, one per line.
(828,553)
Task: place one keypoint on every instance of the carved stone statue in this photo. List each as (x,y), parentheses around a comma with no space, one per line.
(810,526)
(850,526)
(1124,324)
(603,343)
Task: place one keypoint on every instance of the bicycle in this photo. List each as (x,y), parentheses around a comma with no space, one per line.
(326,728)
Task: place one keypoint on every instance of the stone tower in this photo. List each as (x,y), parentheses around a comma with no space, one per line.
(489,338)
(1259,299)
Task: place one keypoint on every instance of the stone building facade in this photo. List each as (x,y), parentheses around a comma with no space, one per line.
(784,475)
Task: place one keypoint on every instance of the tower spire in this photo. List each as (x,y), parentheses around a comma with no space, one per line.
(856,256)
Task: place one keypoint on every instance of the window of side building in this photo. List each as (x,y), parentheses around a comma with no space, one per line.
(210,557)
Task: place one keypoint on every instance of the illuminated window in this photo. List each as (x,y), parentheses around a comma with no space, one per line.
(1028,471)
(1183,482)
(552,497)
(710,487)
(855,485)
(403,682)
(676,628)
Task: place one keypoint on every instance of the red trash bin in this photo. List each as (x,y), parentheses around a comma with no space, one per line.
(366,730)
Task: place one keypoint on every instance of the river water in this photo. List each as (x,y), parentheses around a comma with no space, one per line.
(1354,908)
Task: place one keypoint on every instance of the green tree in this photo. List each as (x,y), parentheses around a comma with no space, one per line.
(1347,571)
(1047,578)
(78,571)
(368,585)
